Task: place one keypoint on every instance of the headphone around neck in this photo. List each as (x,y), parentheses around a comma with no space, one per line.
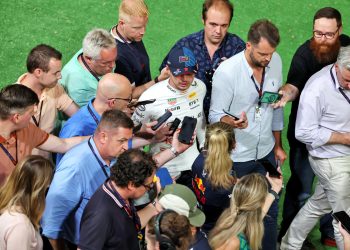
(165,243)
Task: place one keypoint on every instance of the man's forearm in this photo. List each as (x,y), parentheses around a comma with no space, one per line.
(290,92)
(339,138)
(278,138)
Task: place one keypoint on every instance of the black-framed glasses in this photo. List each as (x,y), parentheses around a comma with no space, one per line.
(129,100)
(148,186)
(327,35)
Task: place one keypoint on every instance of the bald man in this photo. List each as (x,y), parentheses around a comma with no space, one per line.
(113,92)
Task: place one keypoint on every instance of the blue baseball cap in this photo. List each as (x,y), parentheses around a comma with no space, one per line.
(182,61)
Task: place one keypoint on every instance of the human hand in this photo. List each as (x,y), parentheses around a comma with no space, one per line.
(280,155)
(179,146)
(164,74)
(275,182)
(241,123)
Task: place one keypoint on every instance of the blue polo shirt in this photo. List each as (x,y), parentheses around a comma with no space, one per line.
(77,177)
(82,123)
(231,45)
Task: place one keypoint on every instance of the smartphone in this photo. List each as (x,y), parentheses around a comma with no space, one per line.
(271,169)
(229,114)
(162,119)
(187,129)
(343,218)
(270,97)
(145,102)
(174,125)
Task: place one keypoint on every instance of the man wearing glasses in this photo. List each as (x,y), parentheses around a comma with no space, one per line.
(82,73)
(323,124)
(110,220)
(322,49)
(113,92)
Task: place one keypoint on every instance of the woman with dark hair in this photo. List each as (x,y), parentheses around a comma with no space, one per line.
(212,172)
(22,203)
(168,231)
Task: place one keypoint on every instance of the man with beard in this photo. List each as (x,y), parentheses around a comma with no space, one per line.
(323,124)
(322,49)
(238,85)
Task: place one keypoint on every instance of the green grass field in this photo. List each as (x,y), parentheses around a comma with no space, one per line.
(63,24)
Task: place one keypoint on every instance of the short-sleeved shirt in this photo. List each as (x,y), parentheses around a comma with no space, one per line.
(83,123)
(106,225)
(51,101)
(76,179)
(231,45)
(132,61)
(79,83)
(213,201)
(181,104)
(17,232)
(19,145)
(304,64)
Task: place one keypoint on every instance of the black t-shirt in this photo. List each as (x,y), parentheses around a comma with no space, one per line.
(213,201)
(133,62)
(303,66)
(105,225)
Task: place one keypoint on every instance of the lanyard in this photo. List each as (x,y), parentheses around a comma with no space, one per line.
(98,160)
(340,89)
(130,210)
(14,161)
(87,66)
(37,122)
(92,115)
(259,90)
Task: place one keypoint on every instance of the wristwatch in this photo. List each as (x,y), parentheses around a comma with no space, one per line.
(274,194)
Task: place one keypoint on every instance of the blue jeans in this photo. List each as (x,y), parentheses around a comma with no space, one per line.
(270,220)
(298,190)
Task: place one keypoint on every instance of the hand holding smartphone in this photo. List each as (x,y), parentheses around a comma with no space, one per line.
(187,129)
(343,218)
(231,115)
(162,119)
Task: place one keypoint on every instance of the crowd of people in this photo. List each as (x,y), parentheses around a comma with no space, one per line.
(89,161)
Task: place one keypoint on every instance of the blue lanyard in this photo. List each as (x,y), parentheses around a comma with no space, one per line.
(340,89)
(98,160)
(9,155)
(92,115)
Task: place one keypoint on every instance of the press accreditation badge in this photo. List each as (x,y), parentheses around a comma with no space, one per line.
(257,116)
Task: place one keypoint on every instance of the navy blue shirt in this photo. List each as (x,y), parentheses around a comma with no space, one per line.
(133,62)
(230,46)
(213,201)
(200,242)
(106,224)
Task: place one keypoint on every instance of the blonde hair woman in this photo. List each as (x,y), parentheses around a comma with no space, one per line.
(22,203)
(212,173)
(241,225)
